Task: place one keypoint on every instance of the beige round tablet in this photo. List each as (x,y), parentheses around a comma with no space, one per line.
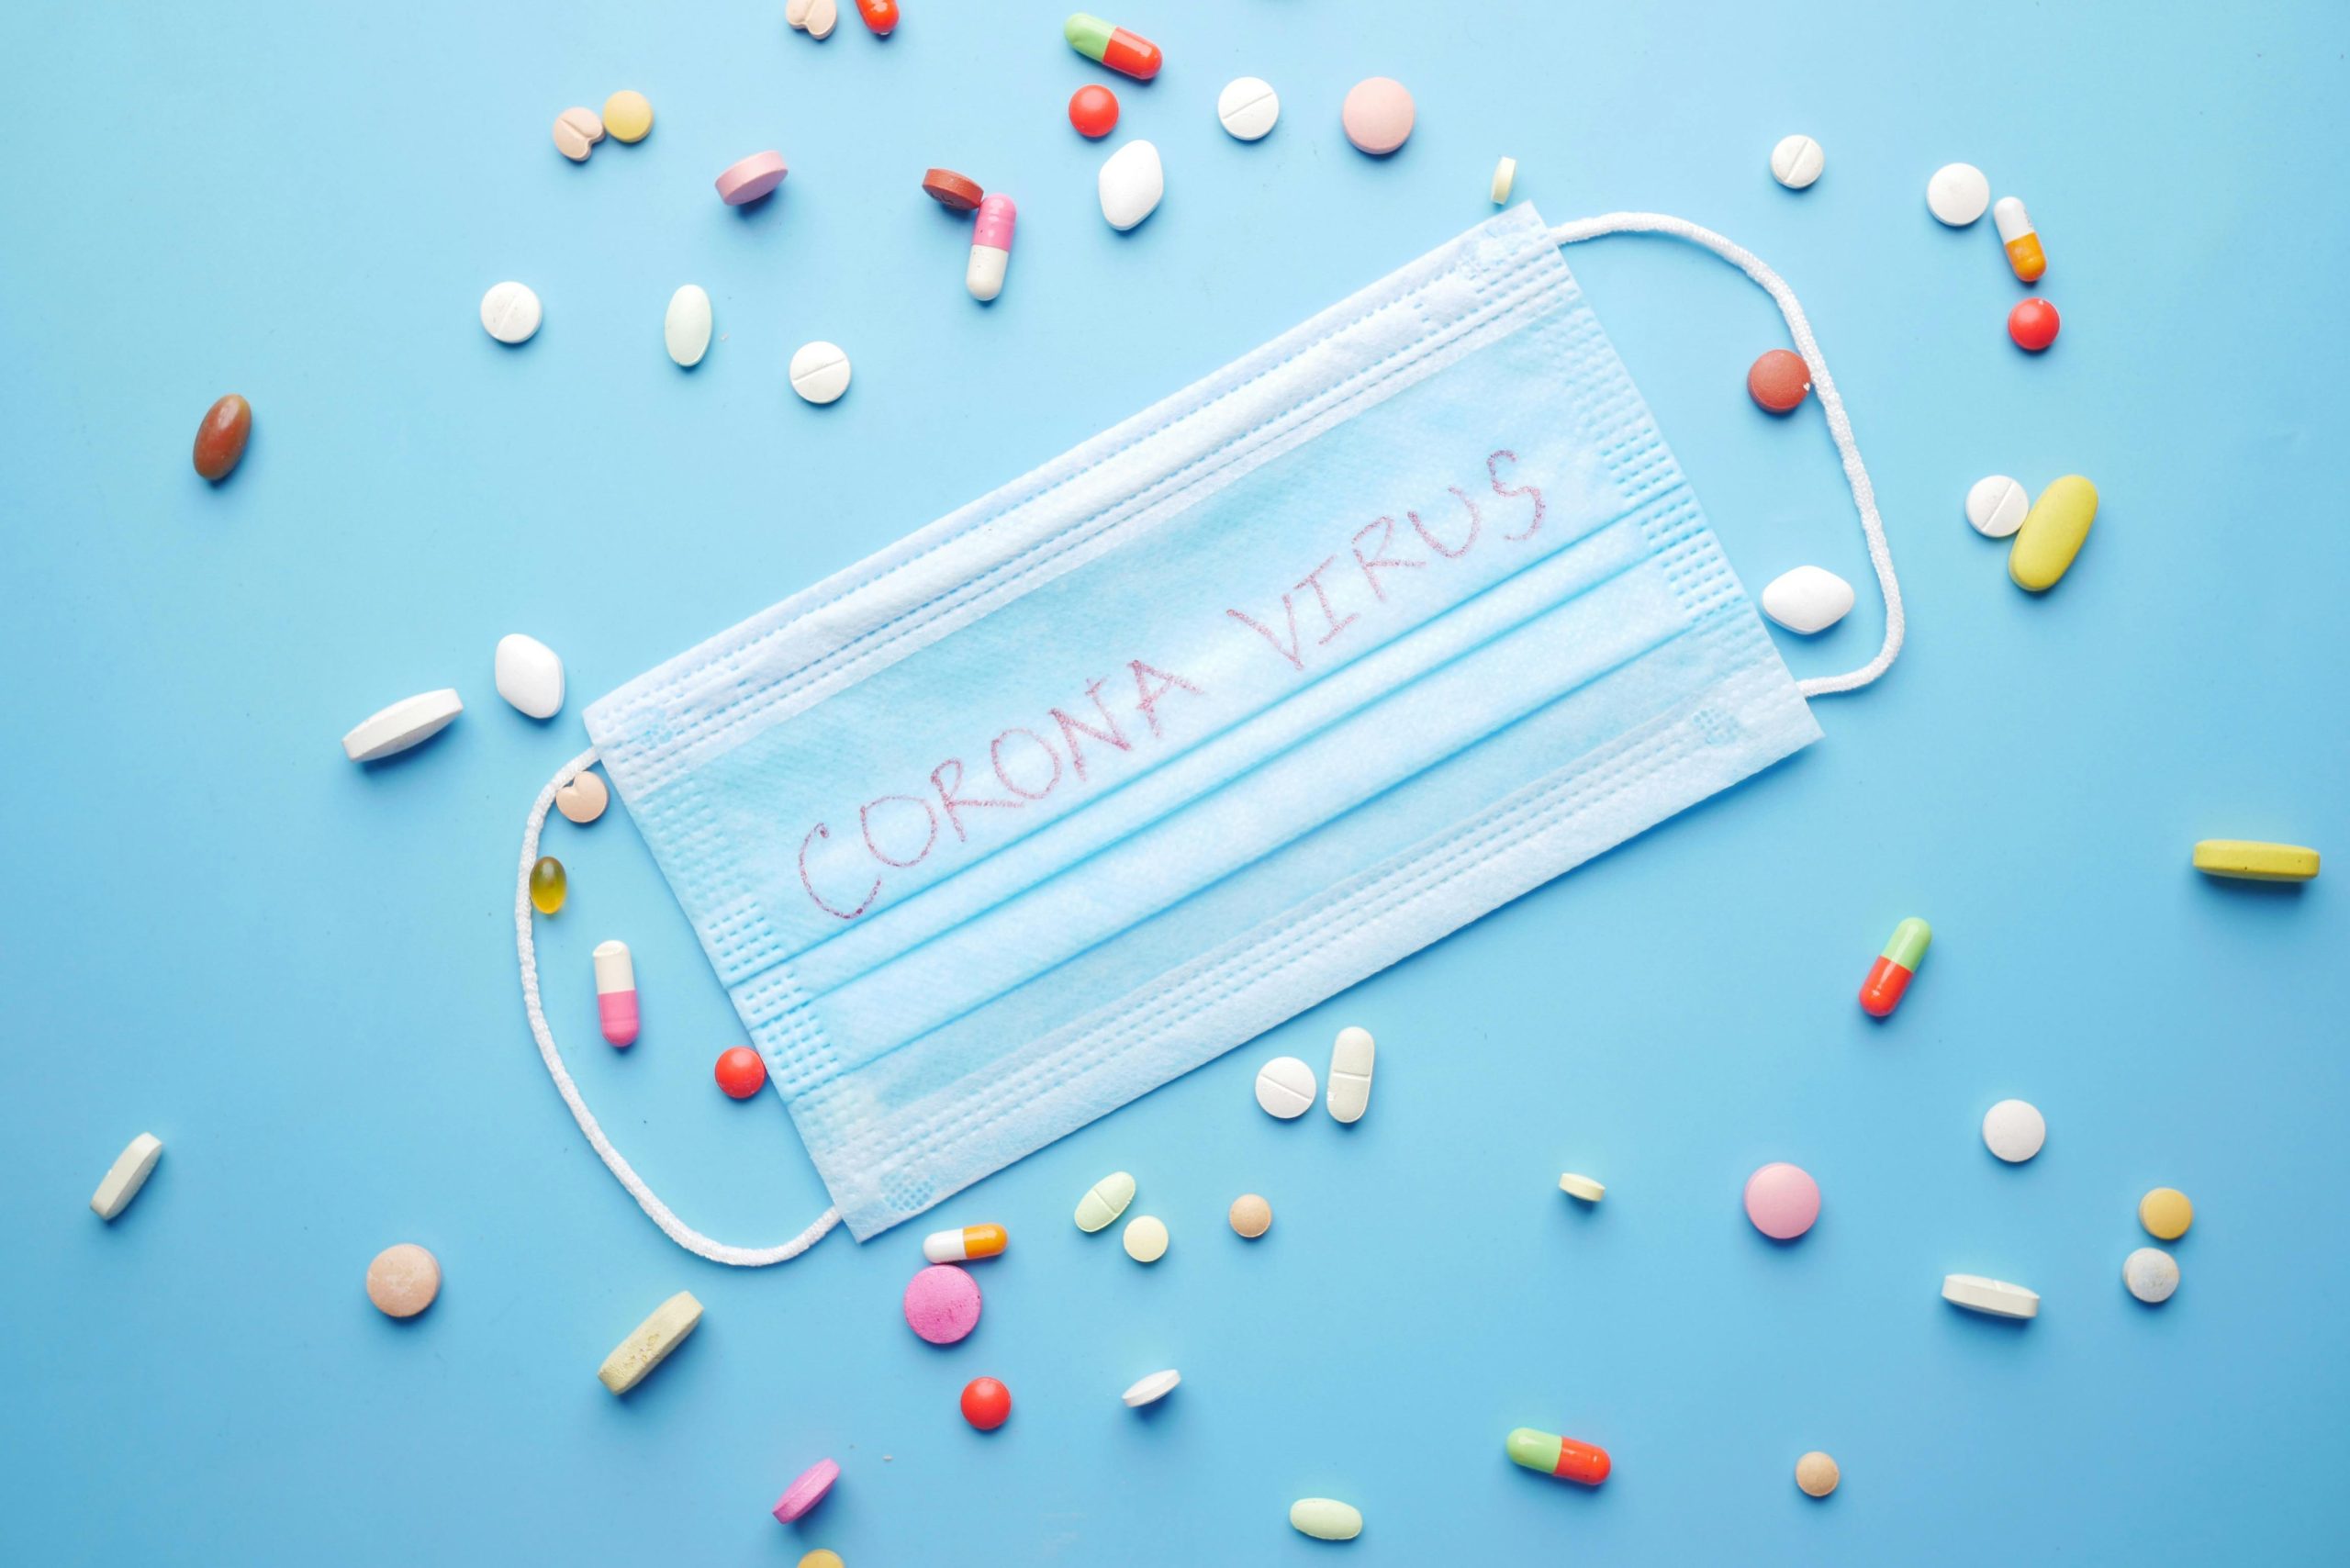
(1817,1473)
(1251,1216)
(575,131)
(583,797)
(1145,1238)
(820,372)
(403,1280)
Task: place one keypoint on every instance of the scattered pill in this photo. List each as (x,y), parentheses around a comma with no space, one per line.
(628,116)
(1889,978)
(2053,532)
(2021,240)
(817,19)
(2014,1130)
(616,993)
(685,326)
(1145,1238)
(410,721)
(1325,1518)
(1131,182)
(987,1404)
(807,1490)
(1995,506)
(1582,1187)
(972,1241)
(2254,861)
(1378,115)
(741,1072)
(1957,194)
(1351,1063)
(1115,47)
(1104,1202)
(650,1342)
(583,797)
(548,885)
(795,14)
(880,17)
(403,1280)
(2032,324)
(2166,1213)
(2150,1273)
(529,675)
(1818,1474)
(1250,1214)
(956,192)
(577,132)
(1781,1200)
(510,312)
(821,1557)
(1808,600)
(1248,107)
(1504,176)
(1779,381)
(1797,161)
(220,438)
(820,372)
(745,180)
(1562,1456)
(126,1176)
(1286,1087)
(1152,1389)
(991,248)
(1093,110)
(1996,1297)
(942,1304)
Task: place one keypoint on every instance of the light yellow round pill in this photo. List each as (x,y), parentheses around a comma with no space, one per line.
(1584,1187)
(628,116)
(820,1558)
(2166,1213)
(1817,1473)
(1251,1216)
(1145,1238)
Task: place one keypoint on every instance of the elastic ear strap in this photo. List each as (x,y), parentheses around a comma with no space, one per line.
(1839,425)
(678,1230)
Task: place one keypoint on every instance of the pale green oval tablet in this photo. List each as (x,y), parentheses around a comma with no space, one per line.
(1325,1518)
(2052,533)
(1105,1202)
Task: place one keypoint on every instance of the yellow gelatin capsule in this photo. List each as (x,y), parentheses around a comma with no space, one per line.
(548,884)
(2254,861)
(2052,533)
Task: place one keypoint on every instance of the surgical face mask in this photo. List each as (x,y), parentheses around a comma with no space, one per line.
(1320,659)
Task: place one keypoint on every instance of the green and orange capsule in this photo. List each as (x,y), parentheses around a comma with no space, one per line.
(1562,1456)
(1125,53)
(1889,977)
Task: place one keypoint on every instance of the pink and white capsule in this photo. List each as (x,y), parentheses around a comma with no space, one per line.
(616,993)
(991,248)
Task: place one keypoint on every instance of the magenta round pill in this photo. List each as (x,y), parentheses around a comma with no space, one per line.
(1782,1201)
(807,1492)
(942,1304)
(752,178)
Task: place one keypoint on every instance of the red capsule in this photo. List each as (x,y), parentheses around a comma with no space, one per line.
(880,15)
(221,438)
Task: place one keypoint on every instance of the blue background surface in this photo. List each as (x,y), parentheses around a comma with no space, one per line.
(299,973)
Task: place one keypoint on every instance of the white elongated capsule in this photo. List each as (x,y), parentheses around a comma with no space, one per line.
(1995,1297)
(962,1246)
(411,720)
(685,326)
(1152,1389)
(1348,1095)
(616,993)
(129,1173)
(990,247)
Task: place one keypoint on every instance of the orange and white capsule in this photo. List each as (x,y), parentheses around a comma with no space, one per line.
(962,1245)
(2021,240)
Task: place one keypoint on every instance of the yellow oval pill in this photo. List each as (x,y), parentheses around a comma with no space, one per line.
(2166,1213)
(2052,533)
(628,116)
(2255,861)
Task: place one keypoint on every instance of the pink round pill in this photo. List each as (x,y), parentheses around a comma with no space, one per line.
(807,1492)
(1377,115)
(1782,1201)
(752,178)
(942,1304)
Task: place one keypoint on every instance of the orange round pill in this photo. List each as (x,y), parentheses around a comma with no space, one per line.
(2032,324)
(741,1072)
(1093,109)
(956,192)
(987,1404)
(1779,381)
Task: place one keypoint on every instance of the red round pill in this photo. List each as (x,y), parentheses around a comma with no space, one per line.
(987,1404)
(2032,324)
(1093,110)
(1779,381)
(741,1072)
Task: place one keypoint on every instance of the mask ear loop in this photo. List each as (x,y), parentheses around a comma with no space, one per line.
(1839,425)
(678,1230)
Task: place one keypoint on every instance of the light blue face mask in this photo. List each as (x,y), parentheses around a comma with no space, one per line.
(1316,661)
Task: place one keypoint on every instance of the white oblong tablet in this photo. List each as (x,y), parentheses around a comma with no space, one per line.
(1808,600)
(510,312)
(651,1343)
(529,675)
(1958,194)
(1248,107)
(1152,1389)
(1798,160)
(1131,182)
(820,372)
(127,1175)
(1104,1202)
(1582,1187)
(1286,1087)
(2014,1130)
(1350,1060)
(2152,1275)
(1996,506)
(1996,1297)
(1504,176)
(410,721)
(685,327)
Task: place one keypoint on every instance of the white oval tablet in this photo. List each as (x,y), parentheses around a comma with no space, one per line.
(2150,1273)
(820,372)
(1996,1297)
(2014,1130)
(137,1162)
(1808,600)
(1131,182)
(409,722)
(1996,506)
(1286,1087)
(1797,160)
(1958,194)
(510,312)
(1504,176)
(1152,1389)
(530,675)
(1582,1187)
(1350,1060)
(685,327)
(1248,107)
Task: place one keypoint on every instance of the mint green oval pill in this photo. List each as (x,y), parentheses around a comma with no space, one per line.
(1104,1202)
(1325,1518)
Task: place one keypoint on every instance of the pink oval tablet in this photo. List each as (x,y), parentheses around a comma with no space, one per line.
(1378,115)
(807,1492)
(942,1304)
(1782,1201)
(752,178)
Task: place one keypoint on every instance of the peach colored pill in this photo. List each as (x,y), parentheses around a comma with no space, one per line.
(1251,1216)
(575,131)
(1377,115)
(745,182)
(583,797)
(403,1280)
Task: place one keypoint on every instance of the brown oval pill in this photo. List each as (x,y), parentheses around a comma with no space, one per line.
(221,438)
(583,797)
(576,131)
(403,1280)
(955,192)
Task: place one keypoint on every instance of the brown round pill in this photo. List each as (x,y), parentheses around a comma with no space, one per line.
(953,190)
(1817,1474)
(1251,1216)
(583,797)
(403,1280)
(1779,380)
(576,131)
(221,438)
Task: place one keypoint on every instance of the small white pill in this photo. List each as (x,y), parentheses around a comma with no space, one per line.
(1351,1062)
(510,312)
(820,372)
(129,1172)
(1996,506)
(1582,1187)
(1808,600)
(1145,1238)
(410,721)
(2150,1273)
(1152,1389)
(1797,160)
(1131,182)
(1286,1087)
(530,675)
(2014,1130)
(1248,107)
(685,326)
(1995,1297)
(1504,176)
(1958,194)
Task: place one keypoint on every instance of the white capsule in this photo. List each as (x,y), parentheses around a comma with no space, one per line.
(1151,1389)
(1351,1056)
(128,1174)
(410,721)
(1808,600)
(1996,1297)
(1996,504)
(685,326)
(1798,160)
(1286,1087)
(510,312)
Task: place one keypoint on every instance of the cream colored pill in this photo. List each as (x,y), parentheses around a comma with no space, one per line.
(1582,1187)
(1995,506)
(510,312)
(685,326)
(1250,1215)
(1325,1518)
(575,131)
(1797,161)
(410,721)
(795,13)
(583,797)
(1957,194)
(1504,176)
(1248,107)
(1351,1056)
(127,1175)
(823,17)
(1152,1389)
(1996,1297)
(2150,1273)
(1145,1238)
(1286,1087)
(650,1344)
(1104,1202)
(2014,1130)
(1808,600)
(1818,1474)
(820,372)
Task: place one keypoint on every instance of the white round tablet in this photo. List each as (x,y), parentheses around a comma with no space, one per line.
(2150,1273)
(820,372)
(1995,506)
(1797,160)
(1286,1087)
(1248,107)
(1958,194)
(510,312)
(2014,1130)
(1152,1389)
